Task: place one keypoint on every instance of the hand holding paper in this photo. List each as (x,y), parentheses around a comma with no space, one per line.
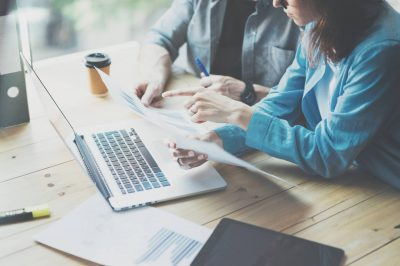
(177,125)
(175,120)
(217,154)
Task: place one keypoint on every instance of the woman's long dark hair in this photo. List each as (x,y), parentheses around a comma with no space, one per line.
(341,26)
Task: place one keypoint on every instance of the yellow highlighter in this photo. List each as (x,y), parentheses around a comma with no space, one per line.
(25,214)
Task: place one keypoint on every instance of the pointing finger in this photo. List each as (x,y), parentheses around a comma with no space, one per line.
(180,92)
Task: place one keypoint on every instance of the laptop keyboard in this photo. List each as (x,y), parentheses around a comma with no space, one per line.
(131,164)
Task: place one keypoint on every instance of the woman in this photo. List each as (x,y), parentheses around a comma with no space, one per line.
(346,80)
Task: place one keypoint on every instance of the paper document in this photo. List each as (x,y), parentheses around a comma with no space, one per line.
(217,154)
(175,120)
(177,125)
(143,236)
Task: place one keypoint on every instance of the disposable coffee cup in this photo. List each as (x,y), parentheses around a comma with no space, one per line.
(102,62)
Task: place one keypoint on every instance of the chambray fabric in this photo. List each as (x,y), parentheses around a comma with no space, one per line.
(270,37)
(363,124)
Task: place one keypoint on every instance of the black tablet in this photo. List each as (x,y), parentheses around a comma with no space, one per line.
(235,243)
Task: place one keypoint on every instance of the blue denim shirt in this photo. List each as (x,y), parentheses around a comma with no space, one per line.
(363,125)
(270,37)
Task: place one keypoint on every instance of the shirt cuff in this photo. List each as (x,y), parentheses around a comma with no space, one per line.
(258,129)
(233,138)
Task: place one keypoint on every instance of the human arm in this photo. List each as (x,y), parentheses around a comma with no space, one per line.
(170,30)
(224,85)
(286,99)
(160,49)
(283,101)
(367,99)
(155,70)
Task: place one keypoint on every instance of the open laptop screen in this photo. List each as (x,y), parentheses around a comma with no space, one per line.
(53,111)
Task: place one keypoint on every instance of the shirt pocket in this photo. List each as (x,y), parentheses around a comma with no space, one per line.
(279,60)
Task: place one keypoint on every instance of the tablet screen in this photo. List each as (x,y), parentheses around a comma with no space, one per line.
(236,243)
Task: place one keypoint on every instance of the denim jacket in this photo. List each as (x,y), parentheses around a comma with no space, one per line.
(269,45)
(363,125)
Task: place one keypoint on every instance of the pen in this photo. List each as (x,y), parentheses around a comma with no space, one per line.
(201,67)
(25,214)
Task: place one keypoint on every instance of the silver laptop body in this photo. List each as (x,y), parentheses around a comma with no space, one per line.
(128,161)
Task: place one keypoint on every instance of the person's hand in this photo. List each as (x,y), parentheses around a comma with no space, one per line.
(150,92)
(211,106)
(154,72)
(188,159)
(224,85)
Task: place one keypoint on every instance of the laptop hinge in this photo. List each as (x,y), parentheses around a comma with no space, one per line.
(91,166)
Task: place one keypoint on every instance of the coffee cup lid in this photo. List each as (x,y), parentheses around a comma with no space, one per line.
(98,60)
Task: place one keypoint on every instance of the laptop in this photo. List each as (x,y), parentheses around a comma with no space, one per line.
(128,161)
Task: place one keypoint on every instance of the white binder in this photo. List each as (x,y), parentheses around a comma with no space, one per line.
(13,98)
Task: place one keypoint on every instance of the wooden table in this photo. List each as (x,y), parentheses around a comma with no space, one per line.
(356,213)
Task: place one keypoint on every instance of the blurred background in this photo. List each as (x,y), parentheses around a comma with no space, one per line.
(60,27)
